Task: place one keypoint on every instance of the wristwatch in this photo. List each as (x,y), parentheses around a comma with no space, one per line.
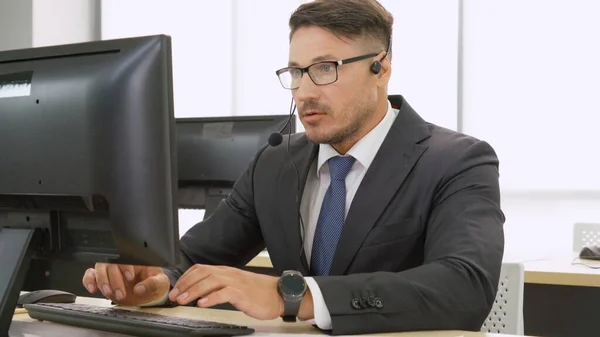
(292,288)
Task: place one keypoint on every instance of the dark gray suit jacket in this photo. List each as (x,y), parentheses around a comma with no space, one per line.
(423,241)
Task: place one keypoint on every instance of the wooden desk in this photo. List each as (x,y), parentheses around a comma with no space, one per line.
(561,295)
(564,271)
(263,328)
(553,270)
(262,260)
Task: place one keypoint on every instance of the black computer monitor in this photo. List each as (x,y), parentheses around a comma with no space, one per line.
(213,152)
(88,165)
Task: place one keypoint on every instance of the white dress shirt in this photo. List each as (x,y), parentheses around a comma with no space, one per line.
(364,152)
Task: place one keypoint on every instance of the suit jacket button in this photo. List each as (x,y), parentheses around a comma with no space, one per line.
(363,302)
(356,303)
(378,303)
(371,301)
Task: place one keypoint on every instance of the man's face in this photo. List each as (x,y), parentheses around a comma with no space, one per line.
(333,113)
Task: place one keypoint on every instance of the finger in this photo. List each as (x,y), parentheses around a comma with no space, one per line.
(227,294)
(145,272)
(153,287)
(102,279)
(191,269)
(128,271)
(200,289)
(115,279)
(89,280)
(194,275)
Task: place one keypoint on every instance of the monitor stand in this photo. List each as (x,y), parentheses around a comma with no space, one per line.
(17,247)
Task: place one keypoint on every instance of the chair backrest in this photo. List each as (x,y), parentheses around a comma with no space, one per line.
(506,316)
(585,234)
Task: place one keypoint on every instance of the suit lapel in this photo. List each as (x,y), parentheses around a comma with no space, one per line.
(302,154)
(390,167)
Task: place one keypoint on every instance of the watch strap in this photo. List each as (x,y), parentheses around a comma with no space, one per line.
(290,310)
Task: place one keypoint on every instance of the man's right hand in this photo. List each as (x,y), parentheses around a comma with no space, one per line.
(126,284)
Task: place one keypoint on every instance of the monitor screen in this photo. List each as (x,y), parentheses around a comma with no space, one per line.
(213,152)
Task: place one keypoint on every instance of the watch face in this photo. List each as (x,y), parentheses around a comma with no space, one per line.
(292,285)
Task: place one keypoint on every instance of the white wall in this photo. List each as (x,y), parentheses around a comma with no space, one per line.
(37,23)
(531,88)
(257,90)
(202,47)
(15,24)
(64,21)
(425,57)
(542,222)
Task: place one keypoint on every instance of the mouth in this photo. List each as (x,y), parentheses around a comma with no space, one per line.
(311,113)
(312,117)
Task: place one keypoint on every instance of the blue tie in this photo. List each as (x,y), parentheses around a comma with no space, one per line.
(331,217)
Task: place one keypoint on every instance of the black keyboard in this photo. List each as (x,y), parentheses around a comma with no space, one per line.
(128,322)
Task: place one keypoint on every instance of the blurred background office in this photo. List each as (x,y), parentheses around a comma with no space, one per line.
(522,75)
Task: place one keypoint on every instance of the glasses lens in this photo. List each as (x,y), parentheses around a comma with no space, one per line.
(290,78)
(323,73)
(320,73)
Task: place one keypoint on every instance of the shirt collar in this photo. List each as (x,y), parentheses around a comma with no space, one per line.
(366,148)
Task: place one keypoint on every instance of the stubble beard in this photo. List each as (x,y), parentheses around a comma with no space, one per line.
(361,113)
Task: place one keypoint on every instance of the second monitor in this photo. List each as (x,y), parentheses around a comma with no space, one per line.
(213,152)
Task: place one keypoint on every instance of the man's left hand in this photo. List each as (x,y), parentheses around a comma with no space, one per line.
(254,294)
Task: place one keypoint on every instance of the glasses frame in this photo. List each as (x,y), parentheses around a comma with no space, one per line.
(306,69)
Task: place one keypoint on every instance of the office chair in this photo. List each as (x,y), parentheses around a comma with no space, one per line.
(506,316)
(585,234)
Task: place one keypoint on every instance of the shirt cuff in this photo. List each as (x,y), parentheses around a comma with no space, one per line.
(322,317)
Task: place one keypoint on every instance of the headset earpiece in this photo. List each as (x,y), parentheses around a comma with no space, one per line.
(376,67)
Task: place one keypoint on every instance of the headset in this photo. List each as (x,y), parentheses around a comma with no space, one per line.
(276,138)
(376,66)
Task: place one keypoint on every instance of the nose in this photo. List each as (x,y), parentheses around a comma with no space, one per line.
(307,90)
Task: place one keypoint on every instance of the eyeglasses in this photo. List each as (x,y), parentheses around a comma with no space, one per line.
(321,73)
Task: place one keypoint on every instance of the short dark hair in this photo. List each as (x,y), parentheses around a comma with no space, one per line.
(346,18)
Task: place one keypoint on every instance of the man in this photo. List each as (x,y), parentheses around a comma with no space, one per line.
(386,222)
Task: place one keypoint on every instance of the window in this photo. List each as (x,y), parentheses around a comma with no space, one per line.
(531,86)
